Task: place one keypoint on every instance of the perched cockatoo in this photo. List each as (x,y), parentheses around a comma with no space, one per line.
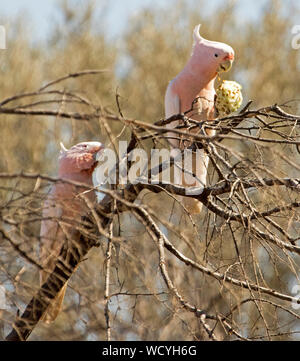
(75,164)
(193,91)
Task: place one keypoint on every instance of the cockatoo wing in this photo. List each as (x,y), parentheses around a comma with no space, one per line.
(172,107)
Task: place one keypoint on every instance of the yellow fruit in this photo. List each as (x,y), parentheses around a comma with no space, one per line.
(229,97)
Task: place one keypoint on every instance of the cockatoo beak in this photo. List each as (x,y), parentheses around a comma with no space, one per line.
(97,151)
(96,154)
(225,65)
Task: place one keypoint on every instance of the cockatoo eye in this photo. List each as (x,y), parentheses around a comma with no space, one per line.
(216,55)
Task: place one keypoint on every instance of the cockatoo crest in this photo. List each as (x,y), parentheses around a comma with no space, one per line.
(63,149)
(196,34)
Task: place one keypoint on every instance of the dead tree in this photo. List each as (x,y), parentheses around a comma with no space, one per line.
(249,204)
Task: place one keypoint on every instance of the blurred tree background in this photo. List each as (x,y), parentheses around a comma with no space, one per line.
(139,64)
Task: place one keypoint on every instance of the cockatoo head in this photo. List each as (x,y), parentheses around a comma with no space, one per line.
(210,57)
(80,158)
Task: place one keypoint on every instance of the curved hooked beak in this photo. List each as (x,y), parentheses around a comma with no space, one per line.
(225,65)
(96,148)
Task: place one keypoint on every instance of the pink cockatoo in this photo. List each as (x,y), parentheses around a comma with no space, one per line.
(192,92)
(76,164)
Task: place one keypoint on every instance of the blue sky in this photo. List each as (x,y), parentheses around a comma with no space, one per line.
(43,12)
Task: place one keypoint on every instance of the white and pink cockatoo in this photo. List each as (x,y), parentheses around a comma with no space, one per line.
(75,164)
(192,92)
